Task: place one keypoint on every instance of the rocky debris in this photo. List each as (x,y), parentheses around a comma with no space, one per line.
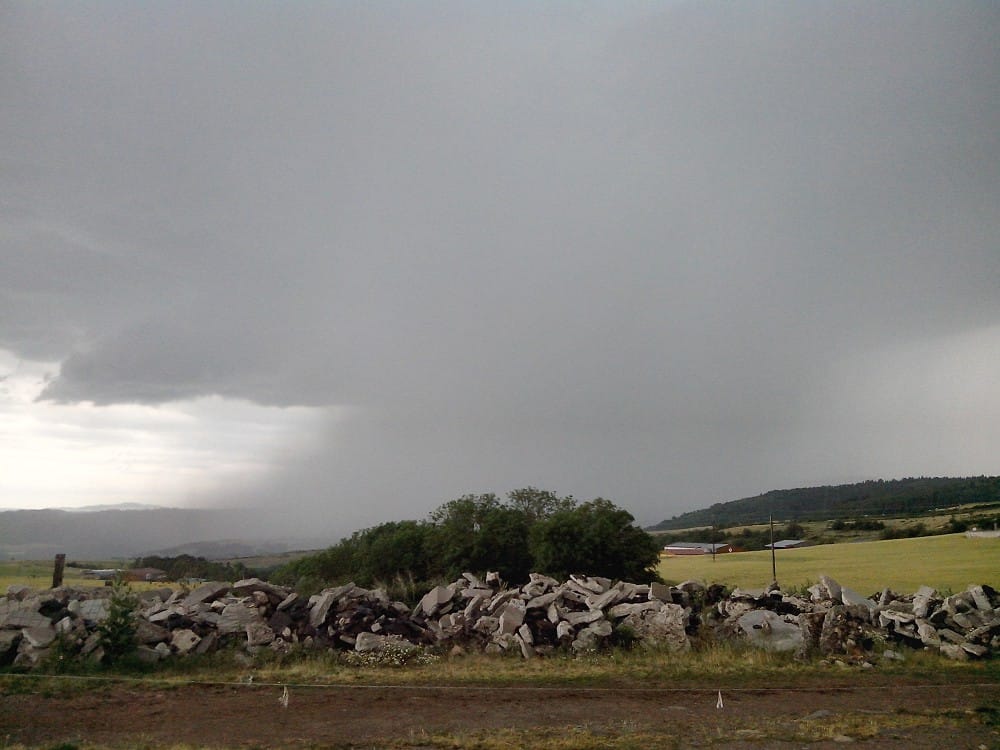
(580,614)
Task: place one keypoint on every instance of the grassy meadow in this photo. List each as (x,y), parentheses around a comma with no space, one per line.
(950,562)
(38,575)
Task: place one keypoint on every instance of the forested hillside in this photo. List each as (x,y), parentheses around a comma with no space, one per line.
(872,498)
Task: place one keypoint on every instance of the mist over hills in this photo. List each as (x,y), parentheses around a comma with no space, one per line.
(128,532)
(874,497)
(133,530)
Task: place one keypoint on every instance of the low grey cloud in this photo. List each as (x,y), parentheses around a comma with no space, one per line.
(607,250)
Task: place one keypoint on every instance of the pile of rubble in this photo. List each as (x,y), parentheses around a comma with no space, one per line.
(581,614)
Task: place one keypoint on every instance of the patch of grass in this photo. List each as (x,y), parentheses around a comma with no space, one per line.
(37,574)
(949,562)
(618,736)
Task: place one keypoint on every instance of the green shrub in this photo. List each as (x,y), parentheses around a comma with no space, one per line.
(118,630)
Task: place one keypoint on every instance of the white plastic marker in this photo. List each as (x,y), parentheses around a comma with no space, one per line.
(718,703)
(283,700)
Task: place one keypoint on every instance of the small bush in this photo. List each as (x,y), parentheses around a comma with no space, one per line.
(118,630)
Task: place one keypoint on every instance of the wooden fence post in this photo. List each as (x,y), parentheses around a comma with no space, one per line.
(57,572)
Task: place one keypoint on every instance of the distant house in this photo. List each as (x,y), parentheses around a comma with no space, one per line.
(788,544)
(697,548)
(103,574)
(145,574)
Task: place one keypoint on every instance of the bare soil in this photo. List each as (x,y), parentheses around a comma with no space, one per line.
(250,716)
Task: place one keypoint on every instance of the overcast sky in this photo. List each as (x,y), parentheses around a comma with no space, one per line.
(347,261)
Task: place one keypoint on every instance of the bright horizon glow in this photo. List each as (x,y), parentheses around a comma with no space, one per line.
(74,455)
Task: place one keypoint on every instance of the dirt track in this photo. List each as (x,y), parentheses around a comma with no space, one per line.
(250,715)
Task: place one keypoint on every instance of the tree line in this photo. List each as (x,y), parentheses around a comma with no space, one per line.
(877,497)
(531,530)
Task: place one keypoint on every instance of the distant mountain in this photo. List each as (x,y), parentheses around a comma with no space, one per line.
(130,533)
(875,497)
(231,549)
(116,506)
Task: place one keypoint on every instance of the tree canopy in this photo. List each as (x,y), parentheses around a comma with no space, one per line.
(532,530)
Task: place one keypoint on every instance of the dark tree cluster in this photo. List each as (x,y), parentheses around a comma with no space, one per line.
(530,531)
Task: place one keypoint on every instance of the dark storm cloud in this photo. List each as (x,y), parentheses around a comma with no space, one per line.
(605,249)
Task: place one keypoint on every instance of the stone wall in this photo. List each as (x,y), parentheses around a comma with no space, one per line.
(580,614)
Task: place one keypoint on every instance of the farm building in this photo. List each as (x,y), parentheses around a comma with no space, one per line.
(130,574)
(697,548)
(145,574)
(788,544)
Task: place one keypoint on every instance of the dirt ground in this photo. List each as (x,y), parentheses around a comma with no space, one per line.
(250,716)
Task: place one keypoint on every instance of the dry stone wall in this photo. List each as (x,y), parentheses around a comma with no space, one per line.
(580,614)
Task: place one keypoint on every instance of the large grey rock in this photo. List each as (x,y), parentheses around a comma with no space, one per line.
(625,609)
(94,610)
(167,612)
(583,618)
(23,615)
(922,601)
(768,630)
(975,649)
(39,637)
(665,626)
(849,596)
(947,634)
(259,633)
(600,628)
(288,601)
(527,650)
(19,592)
(524,633)
(660,591)
(591,585)
(248,586)
(832,588)
(150,633)
(512,617)
(980,599)
(841,632)
(206,592)
(543,600)
(928,633)
(477,593)
(954,651)
(434,599)
(184,640)
(321,605)
(968,620)
(236,617)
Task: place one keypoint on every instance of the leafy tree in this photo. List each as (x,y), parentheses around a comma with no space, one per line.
(537,504)
(595,538)
(533,531)
(391,549)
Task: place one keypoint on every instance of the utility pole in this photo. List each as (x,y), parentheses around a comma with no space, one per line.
(774,565)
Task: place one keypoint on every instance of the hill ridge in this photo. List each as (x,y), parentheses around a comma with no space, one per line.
(872,497)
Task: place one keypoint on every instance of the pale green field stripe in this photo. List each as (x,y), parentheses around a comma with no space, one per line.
(948,563)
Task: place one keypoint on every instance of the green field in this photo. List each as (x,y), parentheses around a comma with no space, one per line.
(38,575)
(950,562)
